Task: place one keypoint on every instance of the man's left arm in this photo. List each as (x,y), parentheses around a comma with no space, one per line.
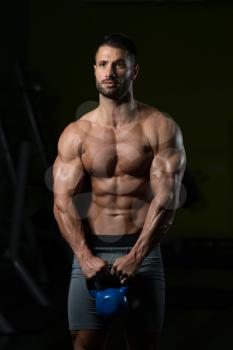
(166,174)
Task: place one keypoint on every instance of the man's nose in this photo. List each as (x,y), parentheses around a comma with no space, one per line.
(110,71)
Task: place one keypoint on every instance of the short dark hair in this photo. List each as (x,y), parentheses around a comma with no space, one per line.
(121,41)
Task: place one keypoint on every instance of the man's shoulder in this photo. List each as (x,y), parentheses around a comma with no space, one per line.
(78,128)
(73,135)
(155,120)
(90,116)
(152,115)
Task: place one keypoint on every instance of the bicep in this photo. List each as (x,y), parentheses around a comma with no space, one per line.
(67,176)
(169,163)
(68,171)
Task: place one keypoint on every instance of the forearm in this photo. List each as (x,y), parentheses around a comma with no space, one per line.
(70,225)
(158,221)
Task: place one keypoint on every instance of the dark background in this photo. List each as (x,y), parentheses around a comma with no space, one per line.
(185,57)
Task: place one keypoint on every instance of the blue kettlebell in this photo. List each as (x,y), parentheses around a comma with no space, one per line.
(110,301)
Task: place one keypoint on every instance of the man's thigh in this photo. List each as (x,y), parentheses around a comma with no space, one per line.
(146,296)
(146,306)
(81,305)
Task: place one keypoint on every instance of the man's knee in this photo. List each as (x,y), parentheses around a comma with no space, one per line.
(73,336)
(88,339)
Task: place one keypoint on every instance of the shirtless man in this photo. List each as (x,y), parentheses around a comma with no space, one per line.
(134,157)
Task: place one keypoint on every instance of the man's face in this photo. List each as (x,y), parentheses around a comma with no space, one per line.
(114,72)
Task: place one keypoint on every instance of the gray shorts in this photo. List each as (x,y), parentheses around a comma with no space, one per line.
(146,293)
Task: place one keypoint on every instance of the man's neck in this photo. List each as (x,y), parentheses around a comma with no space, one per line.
(115,113)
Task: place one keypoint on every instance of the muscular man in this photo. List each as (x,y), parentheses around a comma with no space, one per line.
(134,158)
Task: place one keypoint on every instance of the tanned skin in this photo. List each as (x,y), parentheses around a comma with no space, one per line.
(135,159)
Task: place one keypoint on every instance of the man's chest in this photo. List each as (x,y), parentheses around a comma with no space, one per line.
(109,152)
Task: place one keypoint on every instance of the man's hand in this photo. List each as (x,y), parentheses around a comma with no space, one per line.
(93,266)
(125,268)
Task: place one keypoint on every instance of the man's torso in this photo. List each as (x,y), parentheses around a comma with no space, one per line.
(118,161)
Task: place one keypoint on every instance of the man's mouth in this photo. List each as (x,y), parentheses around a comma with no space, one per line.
(111,82)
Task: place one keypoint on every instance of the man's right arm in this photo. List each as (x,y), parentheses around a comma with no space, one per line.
(68,177)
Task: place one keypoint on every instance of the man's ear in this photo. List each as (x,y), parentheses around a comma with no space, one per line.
(135,71)
(94,67)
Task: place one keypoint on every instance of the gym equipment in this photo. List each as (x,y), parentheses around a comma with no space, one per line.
(17,233)
(110,295)
(110,301)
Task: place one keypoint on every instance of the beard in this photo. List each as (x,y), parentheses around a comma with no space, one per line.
(115,92)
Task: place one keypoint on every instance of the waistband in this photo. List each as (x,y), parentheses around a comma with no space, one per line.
(112,240)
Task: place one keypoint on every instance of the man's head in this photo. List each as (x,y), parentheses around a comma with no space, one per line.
(115,65)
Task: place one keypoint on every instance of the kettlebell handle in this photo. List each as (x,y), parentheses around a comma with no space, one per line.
(123,289)
(94,292)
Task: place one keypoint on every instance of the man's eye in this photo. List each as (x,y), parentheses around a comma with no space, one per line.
(121,65)
(101,64)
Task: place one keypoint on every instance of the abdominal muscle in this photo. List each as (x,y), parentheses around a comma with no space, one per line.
(114,214)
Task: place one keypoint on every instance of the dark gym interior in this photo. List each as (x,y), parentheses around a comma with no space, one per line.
(185,55)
